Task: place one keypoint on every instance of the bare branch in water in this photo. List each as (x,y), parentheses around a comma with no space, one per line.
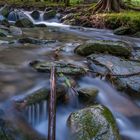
(52,106)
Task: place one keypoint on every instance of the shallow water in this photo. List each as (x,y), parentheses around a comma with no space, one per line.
(18,78)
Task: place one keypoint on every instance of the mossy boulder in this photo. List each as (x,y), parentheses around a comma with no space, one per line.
(49,14)
(24,22)
(126,73)
(5,10)
(61,67)
(111,47)
(95,122)
(124,31)
(35,14)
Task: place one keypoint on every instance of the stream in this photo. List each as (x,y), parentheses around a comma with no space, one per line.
(19,79)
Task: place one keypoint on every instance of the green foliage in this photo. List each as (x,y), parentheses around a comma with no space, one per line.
(127,19)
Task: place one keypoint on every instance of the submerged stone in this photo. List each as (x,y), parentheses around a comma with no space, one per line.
(35,41)
(93,123)
(111,47)
(24,22)
(61,67)
(127,72)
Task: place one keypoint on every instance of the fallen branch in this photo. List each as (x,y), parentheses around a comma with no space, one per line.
(52,106)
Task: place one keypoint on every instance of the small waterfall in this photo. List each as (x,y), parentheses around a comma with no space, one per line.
(37,113)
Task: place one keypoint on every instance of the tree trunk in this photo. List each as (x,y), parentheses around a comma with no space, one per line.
(108,6)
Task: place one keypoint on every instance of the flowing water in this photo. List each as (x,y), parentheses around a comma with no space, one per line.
(18,79)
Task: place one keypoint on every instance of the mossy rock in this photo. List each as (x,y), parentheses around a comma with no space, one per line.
(124,31)
(35,14)
(111,47)
(49,14)
(95,122)
(25,23)
(61,67)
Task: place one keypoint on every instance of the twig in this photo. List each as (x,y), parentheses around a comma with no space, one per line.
(52,106)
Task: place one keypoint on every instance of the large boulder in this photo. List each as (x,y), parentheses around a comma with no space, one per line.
(125,73)
(35,14)
(25,23)
(15,31)
(5,10)
(49,14)
(93,123)
(111,47)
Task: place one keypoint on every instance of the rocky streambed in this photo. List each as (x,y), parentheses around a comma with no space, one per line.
(98,81)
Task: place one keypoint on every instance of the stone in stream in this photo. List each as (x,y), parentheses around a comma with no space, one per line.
(124,31)
(93,123)
(87,95)
(24,22)
(111,47)
(49,14)
(118,66)
(35,14)
(61,67)
(34,41)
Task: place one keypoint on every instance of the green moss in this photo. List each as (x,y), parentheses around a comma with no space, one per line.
(37,96)
(112,121)
(114,48)
(125,18)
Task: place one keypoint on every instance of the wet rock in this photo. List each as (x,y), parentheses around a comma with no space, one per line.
(35,15)
(95,122)
(127,72)
(124,31)
(87,95)
(61,67)
(5,22)
(35,41)
(15,30)
(16,15)
(5,10)
(111,47)
(25,22)
(49,14)
(88,92)
(40,25)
